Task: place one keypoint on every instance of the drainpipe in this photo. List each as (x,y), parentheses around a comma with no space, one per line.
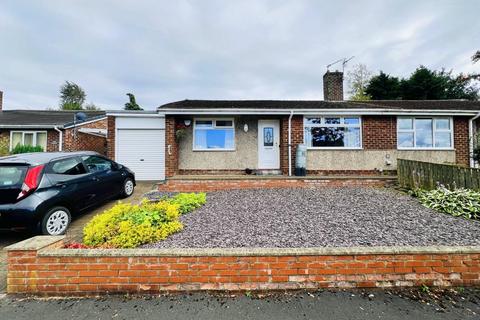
(290,143)
(60,138)
(470,138)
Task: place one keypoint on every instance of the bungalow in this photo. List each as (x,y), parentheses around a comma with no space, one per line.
(341,137)
(53,130)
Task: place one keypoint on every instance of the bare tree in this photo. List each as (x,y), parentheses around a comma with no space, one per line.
(358,79)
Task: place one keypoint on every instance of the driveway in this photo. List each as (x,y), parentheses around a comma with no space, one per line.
(339,305)
(74,233)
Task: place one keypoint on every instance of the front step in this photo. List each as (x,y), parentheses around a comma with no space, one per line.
(268,172)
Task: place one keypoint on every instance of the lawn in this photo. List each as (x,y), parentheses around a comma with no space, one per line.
(317,218)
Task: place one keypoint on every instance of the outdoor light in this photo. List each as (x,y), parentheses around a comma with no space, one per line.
(187,122)
(245,127)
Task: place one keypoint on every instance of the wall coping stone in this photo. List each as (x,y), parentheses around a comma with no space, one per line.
(34,243)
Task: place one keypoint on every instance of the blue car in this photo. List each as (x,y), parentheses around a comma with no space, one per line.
(41,191)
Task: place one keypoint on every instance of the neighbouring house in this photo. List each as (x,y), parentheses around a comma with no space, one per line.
(342,137)
(53,130)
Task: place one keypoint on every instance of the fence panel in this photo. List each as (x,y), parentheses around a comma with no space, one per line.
(426,175)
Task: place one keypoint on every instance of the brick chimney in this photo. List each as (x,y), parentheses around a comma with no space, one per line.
(333,86)
(1,100)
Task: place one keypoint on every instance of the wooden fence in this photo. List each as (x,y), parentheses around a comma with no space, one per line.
(426,175)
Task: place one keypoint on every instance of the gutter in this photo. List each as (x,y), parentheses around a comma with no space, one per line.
(60,138)
(290,143)
(470,138)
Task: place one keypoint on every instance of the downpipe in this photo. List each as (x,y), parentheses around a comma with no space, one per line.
(470,138)
(60,138)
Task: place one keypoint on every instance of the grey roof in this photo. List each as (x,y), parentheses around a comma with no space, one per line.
(320,104)
(42,118)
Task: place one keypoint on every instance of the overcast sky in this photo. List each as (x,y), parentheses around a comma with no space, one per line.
(164,51)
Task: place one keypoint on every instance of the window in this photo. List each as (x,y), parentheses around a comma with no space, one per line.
(97,164)
(424,133)
(31,138)
(71,166)
(333,132)
(214,134)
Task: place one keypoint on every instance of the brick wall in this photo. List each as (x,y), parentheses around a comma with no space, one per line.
(4,142)
(333,86)
(171,148)
(379,132)
(208,185)
(296,139)
(80,272)
(461,140)
(73,140)
(111,128)
(52,141)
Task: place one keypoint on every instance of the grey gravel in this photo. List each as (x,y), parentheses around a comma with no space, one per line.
(316,218)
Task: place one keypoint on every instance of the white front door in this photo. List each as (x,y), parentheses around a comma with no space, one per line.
(268,144)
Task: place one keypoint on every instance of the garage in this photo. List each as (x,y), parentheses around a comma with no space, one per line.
(140,144)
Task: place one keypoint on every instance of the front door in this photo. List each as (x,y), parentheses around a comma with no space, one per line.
(268,144)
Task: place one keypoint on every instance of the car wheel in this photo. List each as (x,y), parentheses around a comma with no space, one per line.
(56,221)
(128,188)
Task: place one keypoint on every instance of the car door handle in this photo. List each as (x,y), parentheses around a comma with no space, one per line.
(94,179)
(60,184)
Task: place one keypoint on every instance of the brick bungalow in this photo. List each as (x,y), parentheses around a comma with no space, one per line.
(341,137)
(53,130)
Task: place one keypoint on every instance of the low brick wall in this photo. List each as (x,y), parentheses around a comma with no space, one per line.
(183,184)
(36,266)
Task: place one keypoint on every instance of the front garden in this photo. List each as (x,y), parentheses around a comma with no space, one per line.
(288,218)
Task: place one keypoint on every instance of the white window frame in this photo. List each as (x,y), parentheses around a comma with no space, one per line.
(23,132)
(434,130)
(341,124)
(214,127)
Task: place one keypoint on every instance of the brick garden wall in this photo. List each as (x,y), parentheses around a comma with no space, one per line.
(111,128)
(53,271)
(206,185)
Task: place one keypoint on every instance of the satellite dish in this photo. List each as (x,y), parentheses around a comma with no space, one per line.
(80,116)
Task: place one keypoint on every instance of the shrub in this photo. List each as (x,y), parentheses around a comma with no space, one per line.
(19,148)
(459,203)
(128,226)
(188,202)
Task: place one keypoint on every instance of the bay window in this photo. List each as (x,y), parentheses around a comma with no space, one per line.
(30,138)
(213,134)
(424,133)
(333,132)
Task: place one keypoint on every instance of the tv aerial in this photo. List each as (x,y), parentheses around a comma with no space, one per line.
(343,61)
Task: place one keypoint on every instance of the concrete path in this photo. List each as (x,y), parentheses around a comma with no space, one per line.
(338,305)
(74,233)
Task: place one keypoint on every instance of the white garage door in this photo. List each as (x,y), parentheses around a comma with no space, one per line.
(142,151)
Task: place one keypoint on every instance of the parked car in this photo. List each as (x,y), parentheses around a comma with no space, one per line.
(43,190)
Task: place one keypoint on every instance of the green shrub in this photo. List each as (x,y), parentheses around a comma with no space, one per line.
(188,202)
(128,226)
(459,203)
(19,148)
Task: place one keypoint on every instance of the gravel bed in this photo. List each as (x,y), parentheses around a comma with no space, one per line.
(323,217)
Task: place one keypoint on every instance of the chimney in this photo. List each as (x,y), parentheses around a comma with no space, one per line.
(1,100)
(333,86)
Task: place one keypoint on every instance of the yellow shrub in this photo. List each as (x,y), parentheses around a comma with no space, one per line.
(128,226)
